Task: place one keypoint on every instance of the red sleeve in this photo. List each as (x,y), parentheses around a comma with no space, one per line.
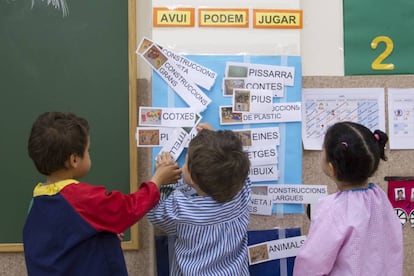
(111,211)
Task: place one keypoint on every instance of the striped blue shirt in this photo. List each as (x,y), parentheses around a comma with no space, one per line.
(210,237)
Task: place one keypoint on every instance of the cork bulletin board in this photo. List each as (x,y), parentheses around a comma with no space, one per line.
(399,163)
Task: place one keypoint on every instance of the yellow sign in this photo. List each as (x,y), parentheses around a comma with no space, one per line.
(277,19)
(235,18)
(179,17)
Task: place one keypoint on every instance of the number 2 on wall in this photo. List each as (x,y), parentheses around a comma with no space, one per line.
(389,46)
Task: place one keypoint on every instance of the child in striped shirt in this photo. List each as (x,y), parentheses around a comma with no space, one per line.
(210,228)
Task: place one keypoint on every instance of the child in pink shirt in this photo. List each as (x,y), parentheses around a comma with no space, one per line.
(354,231)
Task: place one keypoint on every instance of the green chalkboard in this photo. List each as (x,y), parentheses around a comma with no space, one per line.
(378,37)
(76,62)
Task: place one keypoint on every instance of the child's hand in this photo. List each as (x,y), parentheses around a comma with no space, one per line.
(167,171)
(202,126)
(121,236)
(164,158)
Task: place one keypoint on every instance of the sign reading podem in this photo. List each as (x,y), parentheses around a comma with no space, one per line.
(236,18)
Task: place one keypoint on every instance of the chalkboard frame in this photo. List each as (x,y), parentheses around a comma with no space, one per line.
(133,242)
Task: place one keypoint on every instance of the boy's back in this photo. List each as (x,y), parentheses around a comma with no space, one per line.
(211,227)
(72,227)
(58,241)
(211,237)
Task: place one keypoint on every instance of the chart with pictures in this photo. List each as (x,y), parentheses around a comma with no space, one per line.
(266,114)
(324,107)
(401,118)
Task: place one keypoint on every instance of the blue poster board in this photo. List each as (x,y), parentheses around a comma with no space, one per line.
(290,148)
(273,267)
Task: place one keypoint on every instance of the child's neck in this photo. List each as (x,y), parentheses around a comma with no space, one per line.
(198,190)
(58,176)
(344,186)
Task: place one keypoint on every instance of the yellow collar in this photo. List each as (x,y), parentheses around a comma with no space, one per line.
(52,189)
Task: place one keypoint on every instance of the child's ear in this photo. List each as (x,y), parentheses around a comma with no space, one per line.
(72,161)
(331,170)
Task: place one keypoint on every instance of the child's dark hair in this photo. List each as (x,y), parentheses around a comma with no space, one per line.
(54,137)
(217,163)
(354,151)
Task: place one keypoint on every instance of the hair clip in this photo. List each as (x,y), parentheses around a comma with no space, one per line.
(345,144)
(376,136)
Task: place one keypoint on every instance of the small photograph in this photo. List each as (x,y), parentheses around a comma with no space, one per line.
(241,100)
(154,56)
(259,190)
(144,45)
(234,71)
(229,117)
(148,137)
(230,84)
(245,136)
(151,116)
(258,253)
(399,194)
(412,195)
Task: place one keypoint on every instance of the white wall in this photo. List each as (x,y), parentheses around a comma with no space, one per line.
(322,38)
(319,43)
